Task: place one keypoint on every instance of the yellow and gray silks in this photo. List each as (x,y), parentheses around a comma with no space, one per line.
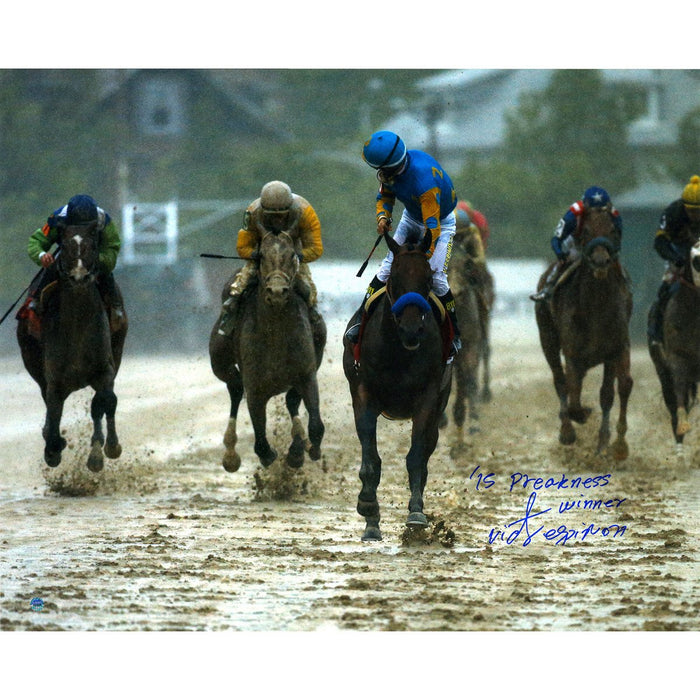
(303,226)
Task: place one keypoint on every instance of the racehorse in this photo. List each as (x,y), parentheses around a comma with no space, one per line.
(400,372)
(587,321)
(277,346)
(76,347)
(473,290)
(677,360)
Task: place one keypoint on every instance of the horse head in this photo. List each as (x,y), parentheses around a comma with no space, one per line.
(79,252)
(408,288)
(600,240)
(279,265)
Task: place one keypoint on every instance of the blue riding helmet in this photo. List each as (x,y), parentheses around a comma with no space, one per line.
(384,150)
(81,209)
(595,197)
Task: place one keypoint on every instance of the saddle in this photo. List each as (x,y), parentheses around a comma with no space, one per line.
(441,316)
(33,312)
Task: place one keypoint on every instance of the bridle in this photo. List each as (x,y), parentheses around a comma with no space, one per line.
(281,274)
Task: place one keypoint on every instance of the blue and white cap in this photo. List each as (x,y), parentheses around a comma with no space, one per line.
(384,150)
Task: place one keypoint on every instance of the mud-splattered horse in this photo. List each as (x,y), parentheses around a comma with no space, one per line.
(276,347)
(677,361)
(587,321)
(76,347)
(401,373)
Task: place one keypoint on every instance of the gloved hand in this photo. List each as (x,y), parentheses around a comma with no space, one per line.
(255,256)
(383,225)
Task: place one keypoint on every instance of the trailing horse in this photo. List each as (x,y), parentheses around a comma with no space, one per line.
(400,371)
(587,321)
(76,347)
(473,289)
(276,347)
(677,360)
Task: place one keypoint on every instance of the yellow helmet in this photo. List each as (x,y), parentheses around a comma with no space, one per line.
(691,193)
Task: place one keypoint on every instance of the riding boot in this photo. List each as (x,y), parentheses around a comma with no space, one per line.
(448,301)
(229,310)
(112,300)
(549,284)
(358,318)
(656,315)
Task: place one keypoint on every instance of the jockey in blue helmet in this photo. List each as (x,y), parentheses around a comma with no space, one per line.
(568,230)
(421,184)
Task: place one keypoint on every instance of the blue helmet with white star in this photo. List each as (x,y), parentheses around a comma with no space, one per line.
(384,150)
(595,197)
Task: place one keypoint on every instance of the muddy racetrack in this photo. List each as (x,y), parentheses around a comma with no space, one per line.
(165,539)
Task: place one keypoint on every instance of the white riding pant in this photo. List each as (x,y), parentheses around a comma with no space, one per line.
(409,229)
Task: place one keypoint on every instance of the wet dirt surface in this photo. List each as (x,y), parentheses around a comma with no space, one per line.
(165,539)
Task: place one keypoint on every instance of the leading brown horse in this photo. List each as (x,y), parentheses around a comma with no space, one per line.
(276,347)
(677,360)
(587,321)
(401,372)
(76,347)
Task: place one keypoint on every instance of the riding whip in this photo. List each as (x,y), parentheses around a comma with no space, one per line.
(20,296)
(364,264)
(221,257)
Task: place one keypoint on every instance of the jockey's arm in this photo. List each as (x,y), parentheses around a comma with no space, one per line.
(430,211)
(310,235)
(247,243)
(110,244)
(665,247)
(385,207)
(40,242)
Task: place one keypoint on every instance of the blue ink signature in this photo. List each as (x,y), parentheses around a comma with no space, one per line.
(560,535)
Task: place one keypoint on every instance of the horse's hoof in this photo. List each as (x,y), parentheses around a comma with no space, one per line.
(372,534)
(268,458)
(417,520)
(473,429)
(231,462)
(567,437)
(486,396)
(579,415)
(315,452)
(295,459)
(620,451)
(53,459)
(113,451)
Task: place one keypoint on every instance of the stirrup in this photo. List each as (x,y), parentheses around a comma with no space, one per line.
(542,295)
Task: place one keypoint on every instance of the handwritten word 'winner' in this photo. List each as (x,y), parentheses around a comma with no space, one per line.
(532,524)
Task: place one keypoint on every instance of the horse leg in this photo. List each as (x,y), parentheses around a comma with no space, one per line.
(312,403)
(257,407)
(104,403)
(458,408)
(370,470)
(681,391)
(624,389)
(295,455)
(232,460)
(606,397)
(424,436)
(54,443)
(551,347)
(486,360)
(472,387)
